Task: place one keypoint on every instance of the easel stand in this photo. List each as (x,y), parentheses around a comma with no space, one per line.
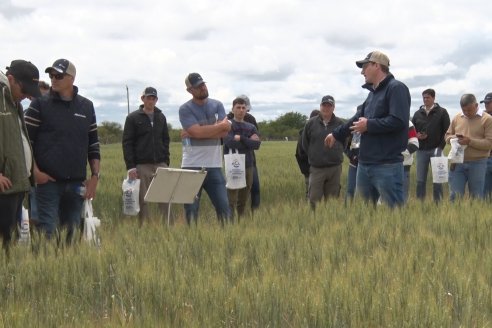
(177,186)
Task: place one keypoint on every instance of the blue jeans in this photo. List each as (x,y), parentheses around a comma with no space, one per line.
(423,162)
(406,183)
(59,203)
(351,179)
(487,190)
(473,173)
(214,185)
(381,180)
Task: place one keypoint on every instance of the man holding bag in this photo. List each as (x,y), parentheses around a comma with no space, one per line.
(243,137)
(146,147)
(472,128)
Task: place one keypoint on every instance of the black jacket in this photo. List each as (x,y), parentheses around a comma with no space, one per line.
(313,142)
(143,142)
(435,125)
(63,135)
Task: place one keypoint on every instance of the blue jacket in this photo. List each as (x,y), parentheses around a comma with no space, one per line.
(387,109)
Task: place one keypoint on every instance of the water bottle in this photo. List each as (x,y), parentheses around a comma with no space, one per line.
(24,233)
(355,140)
(186,145)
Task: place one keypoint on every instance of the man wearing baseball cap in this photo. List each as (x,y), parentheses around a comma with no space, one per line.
(19,82)
(325,163)
(63,132)
(383,125)
(487,101)
(146,147)
(204,121)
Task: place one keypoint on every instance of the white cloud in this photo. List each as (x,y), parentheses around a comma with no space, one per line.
(285,54)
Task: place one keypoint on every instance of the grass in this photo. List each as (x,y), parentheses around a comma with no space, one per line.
(343,266)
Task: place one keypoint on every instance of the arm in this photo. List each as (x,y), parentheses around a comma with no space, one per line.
(94,158)
(216,131)
(444,127)
(127,143)
(413,142)
(450,133)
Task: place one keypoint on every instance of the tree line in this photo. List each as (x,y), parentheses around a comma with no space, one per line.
(286,126)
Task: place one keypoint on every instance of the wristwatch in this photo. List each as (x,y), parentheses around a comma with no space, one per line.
(97,175)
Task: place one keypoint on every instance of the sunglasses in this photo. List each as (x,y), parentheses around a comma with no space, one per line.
(58,76)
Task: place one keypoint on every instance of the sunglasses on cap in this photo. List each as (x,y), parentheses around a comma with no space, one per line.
(57,76)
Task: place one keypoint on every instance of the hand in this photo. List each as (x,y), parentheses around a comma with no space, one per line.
(90,187)
(184,134)
(41,177)
(462,140)
(5,183)
(132,174)
(421,135)
(360,126)
(255,137)
(237,137)
(225,124)
(330,140)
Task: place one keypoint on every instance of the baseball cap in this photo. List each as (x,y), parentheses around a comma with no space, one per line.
(328,99)
(62,66)
(487,99)
(149,91)
(246,99)
(27,74)
(193,80)
(375,57)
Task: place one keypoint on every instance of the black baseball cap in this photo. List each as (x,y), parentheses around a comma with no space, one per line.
(193,80)
(487,99)
(149,91)
(27,74)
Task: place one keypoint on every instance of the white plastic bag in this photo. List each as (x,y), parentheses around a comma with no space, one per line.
(235,169)
(90,224)
(24,231)
(439,166)
(131,191)
(457,152)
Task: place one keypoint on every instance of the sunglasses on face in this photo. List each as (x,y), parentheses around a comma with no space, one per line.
(58,76)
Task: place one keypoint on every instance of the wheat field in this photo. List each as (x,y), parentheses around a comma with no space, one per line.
(345,265)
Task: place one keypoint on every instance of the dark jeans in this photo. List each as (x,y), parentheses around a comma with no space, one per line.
(255,190)
(10,205)
(59,203)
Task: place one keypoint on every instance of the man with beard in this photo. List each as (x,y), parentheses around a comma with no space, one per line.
(205,123)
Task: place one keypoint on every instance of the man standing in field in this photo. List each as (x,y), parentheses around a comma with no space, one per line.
(472,128)
(205,123)
(63,132)
(325,164)
(255,187)
(244,138)
(146,146)
(19,82)
(431,122)
(383,125)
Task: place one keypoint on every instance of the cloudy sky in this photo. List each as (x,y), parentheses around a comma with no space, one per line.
(284,54)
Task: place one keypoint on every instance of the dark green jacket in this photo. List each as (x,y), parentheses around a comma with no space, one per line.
(12,158)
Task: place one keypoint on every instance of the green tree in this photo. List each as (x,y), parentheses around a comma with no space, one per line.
(109,132)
